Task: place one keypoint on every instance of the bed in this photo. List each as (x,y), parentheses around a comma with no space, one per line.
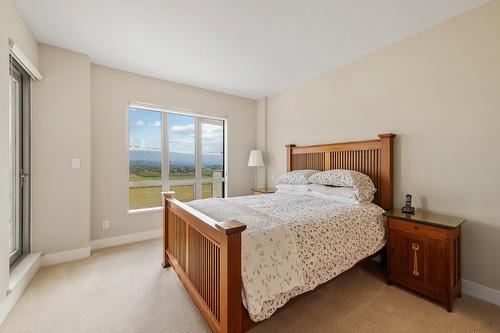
(272,248)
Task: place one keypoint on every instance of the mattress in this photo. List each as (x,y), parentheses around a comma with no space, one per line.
(295,242)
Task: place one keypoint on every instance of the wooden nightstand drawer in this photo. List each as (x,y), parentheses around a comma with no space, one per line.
(417,229)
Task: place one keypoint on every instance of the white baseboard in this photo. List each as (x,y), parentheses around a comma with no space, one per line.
(19,279)
(60,257)
(476,290)
(125,239)
(65,256)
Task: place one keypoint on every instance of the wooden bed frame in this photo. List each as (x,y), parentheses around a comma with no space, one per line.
(206,254)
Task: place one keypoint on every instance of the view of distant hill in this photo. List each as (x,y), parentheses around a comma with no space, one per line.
(154,157)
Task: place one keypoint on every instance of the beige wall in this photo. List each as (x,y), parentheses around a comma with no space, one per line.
(111,92)
(439,91)
(61,132)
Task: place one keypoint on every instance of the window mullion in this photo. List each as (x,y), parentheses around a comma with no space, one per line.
(198,153)
(165,169)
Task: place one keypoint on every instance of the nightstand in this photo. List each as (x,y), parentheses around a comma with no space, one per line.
(424,254)
(259,191)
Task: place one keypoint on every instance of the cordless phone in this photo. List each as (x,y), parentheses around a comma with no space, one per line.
(408,209)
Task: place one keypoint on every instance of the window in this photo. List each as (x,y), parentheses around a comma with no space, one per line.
(177,152)
(19,162)
(145,156)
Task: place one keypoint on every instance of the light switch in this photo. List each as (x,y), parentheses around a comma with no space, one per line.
(76,163)
(105,224)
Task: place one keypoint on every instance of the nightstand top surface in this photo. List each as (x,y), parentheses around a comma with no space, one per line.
(422,216)
(264,190)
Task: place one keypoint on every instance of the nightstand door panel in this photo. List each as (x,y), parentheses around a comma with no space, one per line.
(418,262)
(414,257)
(437,258)
(395,254)
(409,256)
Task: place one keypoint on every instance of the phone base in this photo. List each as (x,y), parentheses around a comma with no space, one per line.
(408,210)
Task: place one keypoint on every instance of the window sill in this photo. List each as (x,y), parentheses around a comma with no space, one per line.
(144,210)
(25,268)
(19,278)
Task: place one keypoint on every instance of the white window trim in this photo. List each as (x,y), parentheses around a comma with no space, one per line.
(164,182)
(175,109)
(144,210)
(24,61)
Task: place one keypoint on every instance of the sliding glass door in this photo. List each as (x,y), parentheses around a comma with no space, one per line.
(174,151)
(19,162)
(211,158)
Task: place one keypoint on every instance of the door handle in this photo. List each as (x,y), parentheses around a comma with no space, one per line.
(24,178)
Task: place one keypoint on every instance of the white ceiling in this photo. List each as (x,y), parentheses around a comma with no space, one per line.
(250,48)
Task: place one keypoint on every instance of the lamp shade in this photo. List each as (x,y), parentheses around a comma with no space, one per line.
(255,158)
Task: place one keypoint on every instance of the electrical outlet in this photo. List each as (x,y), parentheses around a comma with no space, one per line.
(105,224)
(75,163)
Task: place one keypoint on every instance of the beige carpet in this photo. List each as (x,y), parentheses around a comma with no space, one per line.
(124,289)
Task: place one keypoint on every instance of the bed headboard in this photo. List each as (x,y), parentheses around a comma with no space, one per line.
(372,157)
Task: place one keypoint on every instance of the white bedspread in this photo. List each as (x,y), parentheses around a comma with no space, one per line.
(293,243)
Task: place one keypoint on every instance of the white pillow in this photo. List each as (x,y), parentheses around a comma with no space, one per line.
(302,188)
(339,194)
(359,182)
(297,177)
(330,197)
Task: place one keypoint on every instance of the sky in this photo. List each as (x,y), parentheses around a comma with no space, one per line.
(145,133)
(145,129)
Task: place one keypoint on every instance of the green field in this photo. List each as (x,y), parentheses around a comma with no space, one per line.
(149,197)
(140,178)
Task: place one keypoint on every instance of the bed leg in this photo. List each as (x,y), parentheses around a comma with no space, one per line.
(165,195)
(165,263)
(383,259)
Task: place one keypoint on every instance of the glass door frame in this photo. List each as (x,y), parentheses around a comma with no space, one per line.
(199,144)
(20,159)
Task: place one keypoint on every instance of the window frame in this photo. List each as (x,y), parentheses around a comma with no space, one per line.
(198,180)
(20,160)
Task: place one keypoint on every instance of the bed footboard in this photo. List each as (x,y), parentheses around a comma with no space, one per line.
(206,256)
